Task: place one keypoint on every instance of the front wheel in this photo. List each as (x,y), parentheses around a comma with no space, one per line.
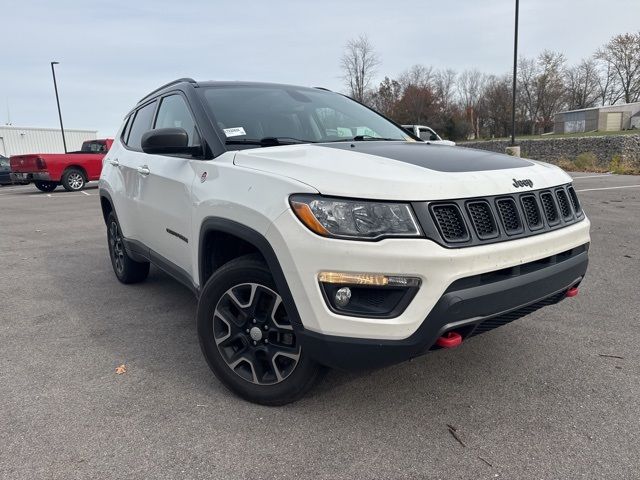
(247,337)
(46,186)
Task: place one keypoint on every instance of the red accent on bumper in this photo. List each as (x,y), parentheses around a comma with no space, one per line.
(572,292)
(449,340)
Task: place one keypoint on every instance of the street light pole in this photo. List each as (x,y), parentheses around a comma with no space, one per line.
(55,86)
(515,73)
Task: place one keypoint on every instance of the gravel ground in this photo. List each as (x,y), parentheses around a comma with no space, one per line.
(554,395)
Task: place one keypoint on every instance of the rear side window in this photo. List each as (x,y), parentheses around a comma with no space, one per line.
(141,124)
(174,113)
(94,147)
(427,134)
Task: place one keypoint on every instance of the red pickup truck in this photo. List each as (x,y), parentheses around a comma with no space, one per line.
(73,170)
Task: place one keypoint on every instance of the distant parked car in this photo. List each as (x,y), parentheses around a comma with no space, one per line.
(427,134)
(5,168)
(71,170)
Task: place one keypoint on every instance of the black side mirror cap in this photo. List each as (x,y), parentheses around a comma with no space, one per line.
(168,141)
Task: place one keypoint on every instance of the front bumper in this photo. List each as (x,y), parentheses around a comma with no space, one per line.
(469,307)
(303,255)
(27,177)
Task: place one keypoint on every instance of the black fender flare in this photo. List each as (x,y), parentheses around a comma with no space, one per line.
(258,240)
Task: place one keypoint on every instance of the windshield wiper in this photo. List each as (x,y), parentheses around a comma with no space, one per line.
(360,138)
(366,138)
(267,141)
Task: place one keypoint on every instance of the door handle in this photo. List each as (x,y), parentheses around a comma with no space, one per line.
(143,170)
(114,162)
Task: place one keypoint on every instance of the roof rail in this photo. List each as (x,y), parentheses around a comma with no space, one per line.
(180,80)
(322,88)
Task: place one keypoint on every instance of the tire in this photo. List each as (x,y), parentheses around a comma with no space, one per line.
(73,180)
(126,269)
(46,186)
(246,338)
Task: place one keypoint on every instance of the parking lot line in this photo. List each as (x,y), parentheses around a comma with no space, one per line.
(607,188)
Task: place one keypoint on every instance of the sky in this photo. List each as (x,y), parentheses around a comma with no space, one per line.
(113,53)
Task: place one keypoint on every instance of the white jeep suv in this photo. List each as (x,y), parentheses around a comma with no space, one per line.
(316,233)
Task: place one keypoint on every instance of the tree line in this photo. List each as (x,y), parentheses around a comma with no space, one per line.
(472,104)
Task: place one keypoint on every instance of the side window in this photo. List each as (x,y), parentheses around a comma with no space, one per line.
(93,147)
(174,113)
(141,125)
(127,128)
(428,134)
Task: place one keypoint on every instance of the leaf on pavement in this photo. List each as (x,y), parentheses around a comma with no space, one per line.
(121,369)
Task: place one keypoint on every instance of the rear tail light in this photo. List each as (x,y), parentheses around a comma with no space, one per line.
(41,164)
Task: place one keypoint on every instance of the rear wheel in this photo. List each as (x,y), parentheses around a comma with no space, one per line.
(126,269)
(247,338)
(46,186)
(73,180)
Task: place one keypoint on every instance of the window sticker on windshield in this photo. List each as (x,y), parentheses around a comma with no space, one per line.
(234,132)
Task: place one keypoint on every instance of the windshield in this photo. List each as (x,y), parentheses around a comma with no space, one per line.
(253,113)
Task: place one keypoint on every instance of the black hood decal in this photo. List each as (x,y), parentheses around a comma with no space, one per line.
(435,157)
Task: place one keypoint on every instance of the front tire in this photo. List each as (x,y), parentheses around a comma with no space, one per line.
(73,180)
(247,338)
(126,269)
(46,186)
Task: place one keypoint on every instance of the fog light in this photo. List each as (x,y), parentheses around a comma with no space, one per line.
(342,297)
(368,279)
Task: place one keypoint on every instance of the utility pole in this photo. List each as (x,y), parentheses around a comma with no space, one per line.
(55,86)
(515,73)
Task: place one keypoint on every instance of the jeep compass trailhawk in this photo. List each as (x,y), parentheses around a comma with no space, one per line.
(317,233)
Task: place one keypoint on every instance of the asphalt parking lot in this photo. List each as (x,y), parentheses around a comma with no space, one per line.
(554,395)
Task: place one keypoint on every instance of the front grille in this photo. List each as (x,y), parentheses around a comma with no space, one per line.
(509,317)
(563,202)
(549,207)
(450,223)
(474,221)
(531,211)
(482,219)
(509,215)
(574,201)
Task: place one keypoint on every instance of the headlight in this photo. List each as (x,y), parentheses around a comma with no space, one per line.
(355,219)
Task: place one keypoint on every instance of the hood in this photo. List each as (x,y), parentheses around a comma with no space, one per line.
(402,170)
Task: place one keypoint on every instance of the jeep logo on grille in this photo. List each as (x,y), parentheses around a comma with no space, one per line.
(522,183)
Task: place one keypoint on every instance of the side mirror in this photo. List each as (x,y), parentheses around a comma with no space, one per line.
(168,141)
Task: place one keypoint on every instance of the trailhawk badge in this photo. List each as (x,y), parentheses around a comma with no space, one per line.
(203,177)
(522,183)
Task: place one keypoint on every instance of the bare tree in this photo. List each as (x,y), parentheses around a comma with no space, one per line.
(582,84)
(418,75)
(359,63)
(609,91)
(542,90)
(622,53)
(496,105)
(471,84)
(445,83)
(551,91)
(528,90)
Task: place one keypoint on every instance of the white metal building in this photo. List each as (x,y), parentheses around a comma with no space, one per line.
(19,140)
(610,118)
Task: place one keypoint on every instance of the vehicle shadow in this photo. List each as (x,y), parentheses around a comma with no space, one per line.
(151,328)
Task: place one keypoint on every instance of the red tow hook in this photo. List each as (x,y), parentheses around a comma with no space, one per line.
(572,292)
(449,340)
